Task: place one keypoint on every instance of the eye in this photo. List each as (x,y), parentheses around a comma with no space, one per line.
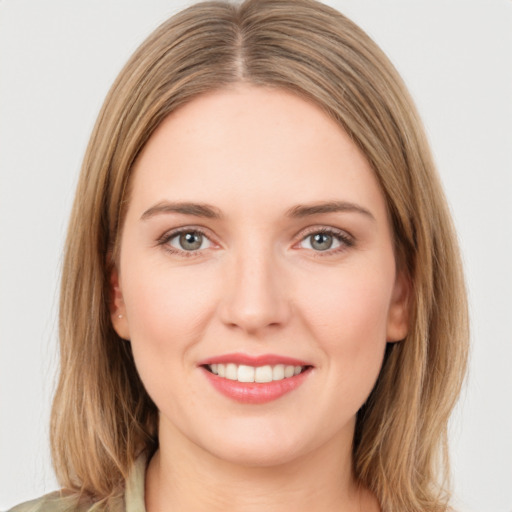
(324,240)
(320,242)
(189,241)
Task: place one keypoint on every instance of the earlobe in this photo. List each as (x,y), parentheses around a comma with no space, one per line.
(117,307)
(398,314)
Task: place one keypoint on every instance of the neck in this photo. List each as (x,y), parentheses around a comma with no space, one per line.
(183,477)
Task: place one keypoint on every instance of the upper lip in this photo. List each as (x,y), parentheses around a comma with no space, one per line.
(254,360)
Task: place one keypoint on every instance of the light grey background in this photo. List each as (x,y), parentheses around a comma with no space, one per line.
(57,60)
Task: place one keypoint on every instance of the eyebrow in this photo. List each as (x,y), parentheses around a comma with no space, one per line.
(185,208)
(307,210)
(211,212)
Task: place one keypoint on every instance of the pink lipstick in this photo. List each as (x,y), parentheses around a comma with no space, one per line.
(255,379)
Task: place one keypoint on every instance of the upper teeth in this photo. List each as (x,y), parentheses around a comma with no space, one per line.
(244,373)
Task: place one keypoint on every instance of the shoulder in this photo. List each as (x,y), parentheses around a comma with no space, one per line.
(62,502)
(53,502)
(130,498)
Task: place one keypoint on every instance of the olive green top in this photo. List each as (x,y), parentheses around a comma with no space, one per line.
(132,500)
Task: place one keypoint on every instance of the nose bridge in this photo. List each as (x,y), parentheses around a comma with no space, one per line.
(255,294)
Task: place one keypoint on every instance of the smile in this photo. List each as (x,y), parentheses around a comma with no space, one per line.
(261,374)
(255,379)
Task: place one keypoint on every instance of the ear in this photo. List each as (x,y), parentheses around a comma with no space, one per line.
(117,306)
(398,314)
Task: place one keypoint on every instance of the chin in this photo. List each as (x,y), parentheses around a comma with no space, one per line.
(257,455)
(258,444)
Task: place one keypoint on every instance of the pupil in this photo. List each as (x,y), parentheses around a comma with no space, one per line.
(321,241)
(191,241)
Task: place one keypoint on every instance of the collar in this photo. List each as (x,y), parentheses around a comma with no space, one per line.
(135,486)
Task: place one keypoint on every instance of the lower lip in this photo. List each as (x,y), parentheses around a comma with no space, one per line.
(255,392)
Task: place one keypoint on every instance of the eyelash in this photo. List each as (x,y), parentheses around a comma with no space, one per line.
(344,238)
(167,237)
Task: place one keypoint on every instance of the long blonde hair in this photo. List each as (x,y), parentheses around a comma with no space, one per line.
(102,417)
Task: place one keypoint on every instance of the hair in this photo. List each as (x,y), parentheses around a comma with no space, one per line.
(102,417)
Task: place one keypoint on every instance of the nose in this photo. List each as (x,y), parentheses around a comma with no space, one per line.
(254,299)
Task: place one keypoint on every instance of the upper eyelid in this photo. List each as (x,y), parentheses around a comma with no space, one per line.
(323,229)
(171,233)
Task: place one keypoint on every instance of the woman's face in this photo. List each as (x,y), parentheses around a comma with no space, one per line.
(256,245)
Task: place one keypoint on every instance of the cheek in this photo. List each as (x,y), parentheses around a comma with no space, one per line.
(348,319)
(166,309)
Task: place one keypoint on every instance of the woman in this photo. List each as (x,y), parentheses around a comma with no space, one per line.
(262,303)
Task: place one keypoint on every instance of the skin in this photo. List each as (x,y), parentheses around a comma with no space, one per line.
(256,286)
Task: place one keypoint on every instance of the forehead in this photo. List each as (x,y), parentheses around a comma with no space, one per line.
(252,146)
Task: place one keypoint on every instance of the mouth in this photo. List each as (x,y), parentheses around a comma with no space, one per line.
(259,374)
(255,380)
